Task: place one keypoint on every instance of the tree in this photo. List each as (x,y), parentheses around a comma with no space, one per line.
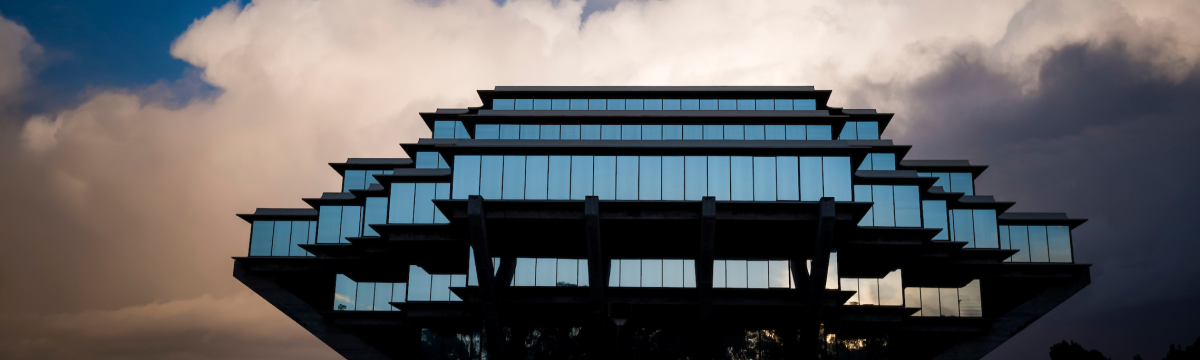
(1074,351)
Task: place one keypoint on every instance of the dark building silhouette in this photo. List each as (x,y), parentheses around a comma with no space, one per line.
(660,223)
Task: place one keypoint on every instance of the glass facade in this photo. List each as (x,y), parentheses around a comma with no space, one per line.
(879,161)
(654,104)
(895,205)
(349,295)
(412,203)
(976,227)
(652,132)
(671,273)
(1037,243)
(860,130)
(953,182)
(336,223)
(423,286)
(361,179)
(738,178)
(281,238)
(886,291)
(946,302)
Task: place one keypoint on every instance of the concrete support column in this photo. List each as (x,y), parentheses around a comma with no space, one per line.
(597,278)
(810,332)
(704,277)
(488,284)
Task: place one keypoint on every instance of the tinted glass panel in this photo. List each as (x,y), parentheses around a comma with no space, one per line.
(931,302)
(764,179)
(713,132)
(526,272)
(657,104)
(779,274)
(677,104)
(673,178)
(550,132)
(734,132)
(836,172)
(787,178)
(849,132)
(510,132)
(631,273)
(650,178)
(961,182)
(1038,248)
(696,178)
(755,132)
(351,222)
(719,273)
(804,104)
(514,177)
(633,104)
(589,132)
(383,295)
(344,291)
(375,213)
(581,177)
(735,274)
(579,104)
(743,104)
(547,268)
(883,161)
(672,132)
(652,273)
(908,206)
(558,184)
(442,193)
(605,177)
(868,130)
(300,235)
(1059,239)
(964,229)
(775,132)
(419,283)
(560,104)
(536,171)
(862,193)
(443,129)
(402,203)
(260,238)
(741,179)
(884,209)
(707,104)
(934,214)
(820,132)
(568,272)
(491,176)
(693,132)
(487,131)
(502,104)
(425,160)
(570,132)
(764,104)
(596,104)
(652,132)
(616,104)
(811,178)
(355,179)
(718,177)
(631,132)
(610,132)
(783,104)
(524,104)
(672,273)
(330,224)
(985,229)
(627,178)
(542,104)
(531,132)
(423,203)
(1018,239)
(757,276)
(440,288)
(796,132)
(949,300)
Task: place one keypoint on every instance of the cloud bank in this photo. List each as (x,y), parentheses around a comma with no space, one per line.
(127,200)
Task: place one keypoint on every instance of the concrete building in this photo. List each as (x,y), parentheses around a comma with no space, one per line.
(741,222)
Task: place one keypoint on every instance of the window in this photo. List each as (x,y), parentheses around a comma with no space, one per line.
(953,182)
(886,291)
(947,302)
(672,273)
(281,238)
(1037,243)
(895,205)
(975,227)
(423,286)
(879,161)
(444,129)
(860,130)
(349,295)
(336,223)
(360,179)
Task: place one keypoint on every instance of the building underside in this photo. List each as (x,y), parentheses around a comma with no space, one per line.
(732,229)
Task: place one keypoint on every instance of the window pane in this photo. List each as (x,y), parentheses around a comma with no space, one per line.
(985,229)
(300,235)
(583,272)
(884,209)
(672,178)
(524,104)
(1038,248)
(971,304)
(650,178)
(456,280)
(820,132)
(487,131)
(558,184)
(589,132)
(891,289)
(260,238)
(579,104)
(943,180)
(652,132)
(419,283)
(672,273)
(460,131)
(550,132)
(696,178)
(851,284)
(614,273)
(783,104)
(672,132)
(657,104)
(757,276)
(546,270)
(570,132)
(530,132)
(719,274)
(423,204)
(707,104)
(606,177)
(425,160)
(652,273)
(866,163)
(718,177)
(330,224)
(376,213)
(689,273)
(797,132)
(755,132)
(568,273)
(541,104)
(849,132)
(502,104)
(868,291)
(741,179)
(961,182)
(912,299)
(1059,239)
(627,178)
(868,130)
(713,132)
(764,179)
(631,273)
(1018,239)
(787,179)
(596,104)
(811,178)
(443,129)
(560,104)
(862,193)
(383,295)
(734,132)
(677,104)
(908,206)
(525,273)
(745,104)
(633,104)
(764,104)
(804,104)
(351,222)
(399,292)
(491,176)
(735,274)
(344,291)
(949,302)
(631,132)
(440,288)
(536,171)
(776,132)
(371,178)
(779,274)
(510,131)
(883,161)
(514,177)
(616,104)
(963,227)
(836,171)
(356,179)
(934,214)
(693,132)
(931,302)
(581,177)
(442,193)
(610,132)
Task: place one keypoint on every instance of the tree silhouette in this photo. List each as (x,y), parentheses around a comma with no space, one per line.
(1073,351)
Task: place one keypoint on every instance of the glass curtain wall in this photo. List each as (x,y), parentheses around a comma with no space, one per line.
(965,301)
(423,286)
(895,205)
(281,238)
(412,203)
(887,290)
(740,178)
(654,104)
(975,227)
(349,295)
(1037,243)
(669,273)
(361,179)
(953,182)
(860,130)
(652,132)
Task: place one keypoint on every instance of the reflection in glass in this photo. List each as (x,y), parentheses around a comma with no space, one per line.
(510,132)
(491,177)
(351,222)
(425,160)
(524,104)
(908,206)
(931,302)
(934,214)
(810,178)
(949,300)
(650,175)
(423,204)
(300,235)
(787,179)
(868,130)
(525,272)
(546,272)
(439,288)
(579,104)
(713,132)
(614,273)
(260,238)
(610,132)
(757,276)
(764,179)
(836,171)
(633,104)
(851,284)
(961,182)
(735,274)
(536,171)
(581,179)
(652,273)
(970,301)
(652,132)
(672,132)
(589,132)
(672,273)
(631,273)
(689,273)
(718,177)
(964,230)
(605,179)
(884,209)
(355,179)
(550,132)
(868,291)
(775,132)
(583,272)
(375,213)
(712,104)
(344,293)
(514,177)
(820,132)
(402,203)
(985,229)
(849,131)
(616,104)
(677,104)
(558,184)
(719,274)
(330,225)
(383,293)
(419,284)
(530,132)
(693,132)
(487,131)
(804,104)
(783,104)
(570,132)
(542,104)
(597,104)
(466,176)
(672,178)
(755,132)
(734,132)
(1038,248)
(1018,239)
(741,178)
(912,299)
(1059,239)
(631,132)
(568,273)
(891,289)
(779,273)
(627,178)
(862,193)
(657,104)
(797,132)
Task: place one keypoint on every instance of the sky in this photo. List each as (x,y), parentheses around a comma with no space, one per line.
(131,133)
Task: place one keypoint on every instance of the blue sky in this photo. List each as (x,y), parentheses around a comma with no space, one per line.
(93,45)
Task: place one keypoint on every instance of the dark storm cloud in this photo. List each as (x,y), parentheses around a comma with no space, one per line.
(1107,135)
